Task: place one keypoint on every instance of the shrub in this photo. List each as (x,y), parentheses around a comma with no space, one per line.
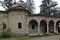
(6,33)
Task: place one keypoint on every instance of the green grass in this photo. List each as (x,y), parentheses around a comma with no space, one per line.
(32,38)
(18,38)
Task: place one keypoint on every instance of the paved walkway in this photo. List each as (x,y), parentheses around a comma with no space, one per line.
(55,37)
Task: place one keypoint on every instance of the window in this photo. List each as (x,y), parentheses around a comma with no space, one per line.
(4,26)
(19,25)
(33,27)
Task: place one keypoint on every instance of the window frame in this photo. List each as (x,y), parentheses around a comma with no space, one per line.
(19,25)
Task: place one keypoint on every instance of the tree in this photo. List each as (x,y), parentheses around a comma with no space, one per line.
(48,7)
(8,4)
(21,1)
(30,5)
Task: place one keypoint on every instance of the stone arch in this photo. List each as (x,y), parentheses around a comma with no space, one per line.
(51,26)
(43,26)
(58,26)
(33,27)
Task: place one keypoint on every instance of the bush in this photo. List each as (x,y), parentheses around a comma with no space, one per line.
(6,33)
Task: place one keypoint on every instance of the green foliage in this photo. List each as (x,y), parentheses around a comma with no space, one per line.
(8,4)
(48,7)
(30,5)
(6,33)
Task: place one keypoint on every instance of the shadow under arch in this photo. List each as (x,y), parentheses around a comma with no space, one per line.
(58,26)
(43,26)
(33,27)
(51,26)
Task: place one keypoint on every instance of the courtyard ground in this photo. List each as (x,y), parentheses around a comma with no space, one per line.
(54,37)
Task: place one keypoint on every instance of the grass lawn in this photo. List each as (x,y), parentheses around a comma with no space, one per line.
(53,37)
(18,38)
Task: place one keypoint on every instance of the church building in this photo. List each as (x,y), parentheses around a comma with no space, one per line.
(21,22)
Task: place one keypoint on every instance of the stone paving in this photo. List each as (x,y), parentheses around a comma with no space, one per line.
(55,37)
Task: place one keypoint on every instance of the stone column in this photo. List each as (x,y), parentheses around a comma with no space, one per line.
(47,28)
(55,27)
(27,29)
(57,31)
(38,28)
